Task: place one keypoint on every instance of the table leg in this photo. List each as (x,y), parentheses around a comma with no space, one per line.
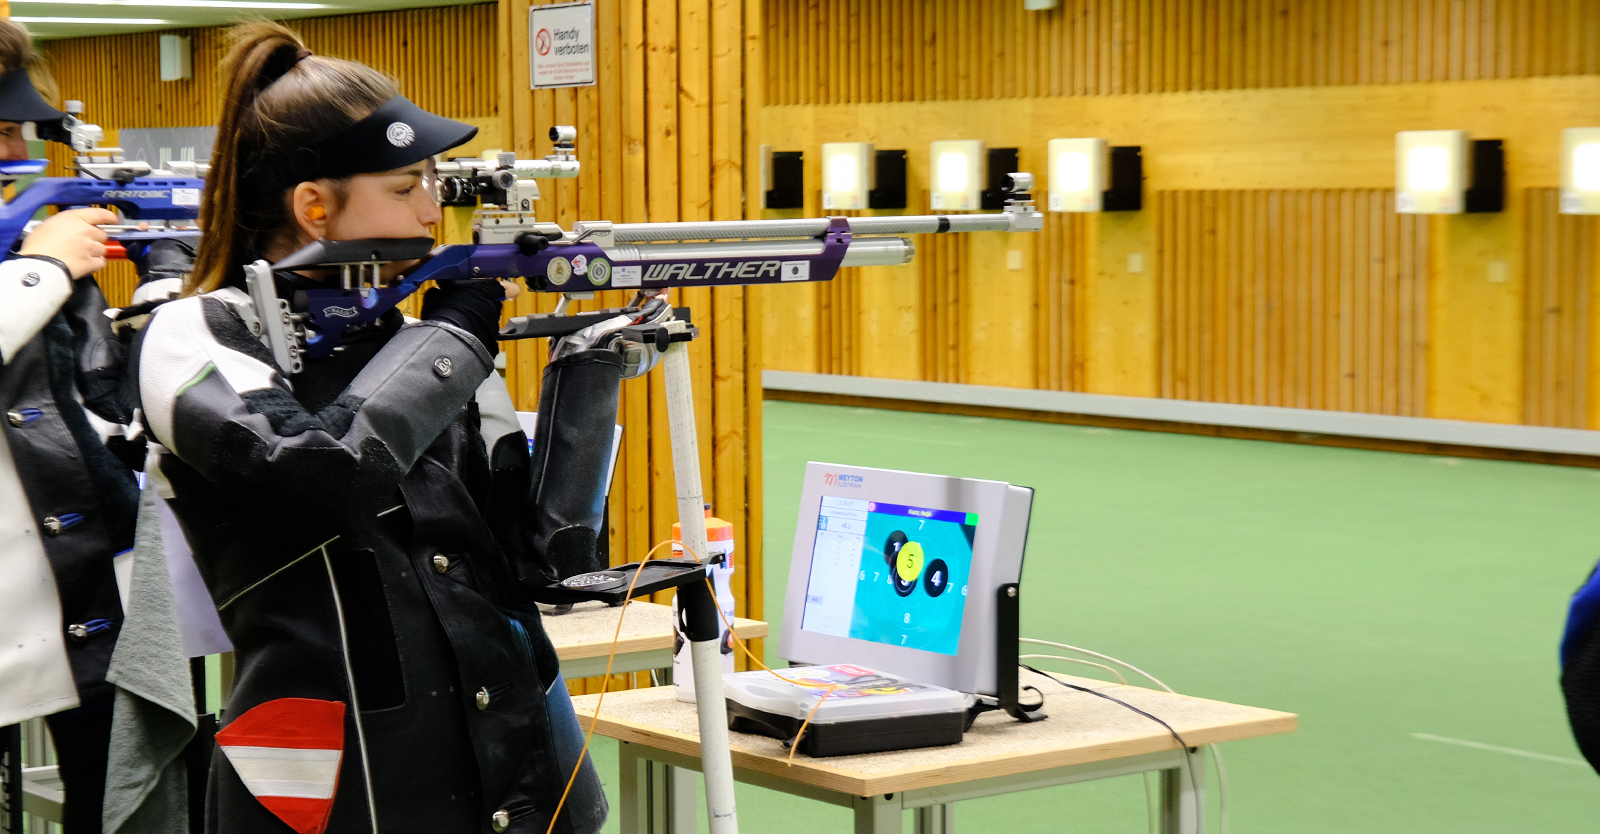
(656,798)
(1183,797)
(935,819)
(877,814)
(683,800)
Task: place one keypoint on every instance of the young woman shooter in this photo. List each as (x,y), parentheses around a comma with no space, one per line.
(364,526)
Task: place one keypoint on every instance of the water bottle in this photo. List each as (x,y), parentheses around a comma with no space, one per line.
(719,542)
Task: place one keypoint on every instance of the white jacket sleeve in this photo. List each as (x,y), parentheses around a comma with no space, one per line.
(31,291)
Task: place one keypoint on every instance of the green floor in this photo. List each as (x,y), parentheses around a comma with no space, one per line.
(1378,595)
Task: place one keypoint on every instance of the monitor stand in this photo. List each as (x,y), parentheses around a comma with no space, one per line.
(1008,686)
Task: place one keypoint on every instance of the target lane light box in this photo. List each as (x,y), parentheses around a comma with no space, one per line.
(1580,170)
(847,174)
(901,572)
(1430,171)
(1077,174)
(960,169)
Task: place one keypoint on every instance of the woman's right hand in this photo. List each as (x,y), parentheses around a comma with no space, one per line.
(72,237)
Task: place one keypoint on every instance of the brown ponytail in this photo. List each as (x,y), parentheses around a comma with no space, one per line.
(16,50)
(278,98)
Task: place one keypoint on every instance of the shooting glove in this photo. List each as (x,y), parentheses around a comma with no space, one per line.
(572,464)
(473,306)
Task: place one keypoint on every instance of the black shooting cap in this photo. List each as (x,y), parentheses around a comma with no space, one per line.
(397,134)
(20,102)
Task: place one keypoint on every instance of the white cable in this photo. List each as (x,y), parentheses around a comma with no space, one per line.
(1216,753)
(1120,678)
(1222,789)
(1121,663)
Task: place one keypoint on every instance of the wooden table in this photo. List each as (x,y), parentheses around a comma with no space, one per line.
(1084,738)
(582,637)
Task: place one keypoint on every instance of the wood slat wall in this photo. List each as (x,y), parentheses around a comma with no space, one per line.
(1304,299)
(661,136)
(1560,329)
(850,51)
(1234,102)
(117,76)
(916,322)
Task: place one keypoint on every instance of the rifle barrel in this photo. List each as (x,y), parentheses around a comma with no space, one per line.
(810,227)
(872,251)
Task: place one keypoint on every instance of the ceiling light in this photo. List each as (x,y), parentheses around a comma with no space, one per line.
(185,4)
(101,21)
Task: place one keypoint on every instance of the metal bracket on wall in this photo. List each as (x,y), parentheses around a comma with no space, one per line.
(1488,190)
(1126,180)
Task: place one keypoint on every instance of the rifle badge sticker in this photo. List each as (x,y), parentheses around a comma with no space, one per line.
(580,265)
(558,270)
(599,271)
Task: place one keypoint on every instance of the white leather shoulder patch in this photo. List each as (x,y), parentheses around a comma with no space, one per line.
(178,352)
(30,293)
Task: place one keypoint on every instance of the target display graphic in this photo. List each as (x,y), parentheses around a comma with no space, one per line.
(911,587)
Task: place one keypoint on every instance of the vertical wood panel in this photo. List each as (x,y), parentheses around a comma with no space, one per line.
(835,52)
(1316,280)
(1560,273)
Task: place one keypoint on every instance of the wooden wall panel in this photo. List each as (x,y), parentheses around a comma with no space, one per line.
(662,136)
(1560,273)
(1304,299)
(852,51)
(1283,139)
(117,77)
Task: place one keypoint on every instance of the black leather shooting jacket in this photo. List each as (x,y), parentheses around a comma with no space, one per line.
(82,497)
(354,526)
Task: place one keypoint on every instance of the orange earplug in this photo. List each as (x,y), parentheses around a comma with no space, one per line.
(316,212)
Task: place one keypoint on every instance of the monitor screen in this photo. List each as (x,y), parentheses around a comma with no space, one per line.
(901,572)
(890,573)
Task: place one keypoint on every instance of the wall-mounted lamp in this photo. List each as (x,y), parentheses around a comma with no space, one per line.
(855,176)
(958,174)
(1580,170)
(1440,172)
(847,174)
(1087,176)
(1077,174)
(782,179)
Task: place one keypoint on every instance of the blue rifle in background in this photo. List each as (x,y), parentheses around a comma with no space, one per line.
(155,203)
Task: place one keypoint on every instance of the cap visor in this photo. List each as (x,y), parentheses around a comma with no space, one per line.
(20,102)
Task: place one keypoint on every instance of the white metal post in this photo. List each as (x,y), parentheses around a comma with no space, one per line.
(715,756)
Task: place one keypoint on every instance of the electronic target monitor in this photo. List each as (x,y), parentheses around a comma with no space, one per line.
(899,571)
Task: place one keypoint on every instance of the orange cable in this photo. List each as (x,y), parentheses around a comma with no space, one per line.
(734,636)
(606,684)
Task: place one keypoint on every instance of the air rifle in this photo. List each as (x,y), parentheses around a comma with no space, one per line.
(155,203)
(647,258)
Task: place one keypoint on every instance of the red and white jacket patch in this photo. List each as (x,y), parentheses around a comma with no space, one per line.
(287,752)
